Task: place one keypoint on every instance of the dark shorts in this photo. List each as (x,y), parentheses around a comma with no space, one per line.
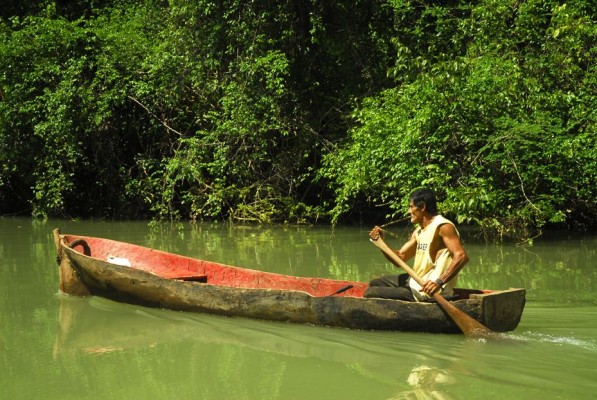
(393,287)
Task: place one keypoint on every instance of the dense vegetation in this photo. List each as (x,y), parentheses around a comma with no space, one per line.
(300,111)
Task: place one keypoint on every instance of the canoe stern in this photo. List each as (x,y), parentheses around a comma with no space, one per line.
(502,311)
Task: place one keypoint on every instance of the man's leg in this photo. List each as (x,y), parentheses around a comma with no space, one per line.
(390,287)
(394,293)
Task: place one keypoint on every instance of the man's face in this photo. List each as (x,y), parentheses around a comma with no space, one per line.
(416,213)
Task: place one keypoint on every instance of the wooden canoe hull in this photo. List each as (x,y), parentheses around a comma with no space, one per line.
(499,310)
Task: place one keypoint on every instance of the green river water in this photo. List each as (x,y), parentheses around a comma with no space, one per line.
(53,346)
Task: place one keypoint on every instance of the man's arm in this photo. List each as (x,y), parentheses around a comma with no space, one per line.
(459,257)
(406,252)
(408,249)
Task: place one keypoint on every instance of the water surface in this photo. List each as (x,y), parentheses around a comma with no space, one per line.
(54,346)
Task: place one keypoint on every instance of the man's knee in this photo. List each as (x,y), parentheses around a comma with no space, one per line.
(391,281)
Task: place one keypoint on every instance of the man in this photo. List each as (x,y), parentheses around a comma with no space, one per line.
(437,249)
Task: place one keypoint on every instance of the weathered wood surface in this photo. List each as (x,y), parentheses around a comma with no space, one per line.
(242,292)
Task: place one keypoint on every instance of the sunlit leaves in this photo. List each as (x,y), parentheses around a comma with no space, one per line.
(223,109)
(493,127)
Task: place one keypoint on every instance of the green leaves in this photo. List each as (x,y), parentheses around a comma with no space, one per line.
(275,111)
(488,127)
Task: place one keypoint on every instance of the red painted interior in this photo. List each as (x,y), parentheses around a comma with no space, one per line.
(174,266)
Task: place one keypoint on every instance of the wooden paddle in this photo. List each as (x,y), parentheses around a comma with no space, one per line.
(468,325)
(341,290)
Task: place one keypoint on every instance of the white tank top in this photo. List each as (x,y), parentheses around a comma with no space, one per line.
(424,266)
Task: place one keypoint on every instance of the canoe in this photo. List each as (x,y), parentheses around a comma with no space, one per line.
(139,275)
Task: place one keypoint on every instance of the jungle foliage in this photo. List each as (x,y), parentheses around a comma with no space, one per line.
(300,111)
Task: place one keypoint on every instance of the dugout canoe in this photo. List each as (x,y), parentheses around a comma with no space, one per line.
(139,275)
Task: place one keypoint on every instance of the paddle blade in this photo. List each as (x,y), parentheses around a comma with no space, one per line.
(467,324)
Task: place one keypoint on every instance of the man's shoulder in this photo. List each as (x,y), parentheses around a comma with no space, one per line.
(442,223)
(446,227)
(441,220)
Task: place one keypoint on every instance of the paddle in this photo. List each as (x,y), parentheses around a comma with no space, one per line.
(468,325)
(341,290)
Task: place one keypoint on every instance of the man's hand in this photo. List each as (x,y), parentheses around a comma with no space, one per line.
(376,233)
(430,287)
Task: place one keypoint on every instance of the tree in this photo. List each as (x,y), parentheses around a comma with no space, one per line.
(489,124)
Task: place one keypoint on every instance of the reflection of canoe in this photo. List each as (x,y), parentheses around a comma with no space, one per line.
(249,350)
(98,326)
(140,275)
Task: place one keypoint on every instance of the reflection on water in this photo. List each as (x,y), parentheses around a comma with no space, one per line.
(97,327)
(235,353)
(56,347)
(426,383)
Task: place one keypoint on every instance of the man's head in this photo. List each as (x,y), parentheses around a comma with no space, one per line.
(424,198)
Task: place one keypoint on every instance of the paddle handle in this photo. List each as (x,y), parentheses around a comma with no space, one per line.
(397,260)
(342,290)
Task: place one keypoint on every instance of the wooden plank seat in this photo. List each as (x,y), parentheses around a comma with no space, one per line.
(202,278)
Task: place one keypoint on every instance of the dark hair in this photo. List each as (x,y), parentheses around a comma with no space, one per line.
(424,196)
